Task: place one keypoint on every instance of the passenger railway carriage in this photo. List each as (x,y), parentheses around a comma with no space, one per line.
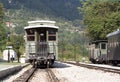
(41,39)
(114,47)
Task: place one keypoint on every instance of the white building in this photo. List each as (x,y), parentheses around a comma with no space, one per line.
(12,54)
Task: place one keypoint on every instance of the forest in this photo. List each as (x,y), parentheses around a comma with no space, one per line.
(101,17)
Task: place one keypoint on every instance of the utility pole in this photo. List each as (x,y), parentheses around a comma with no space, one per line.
(8,47)
(83,58)
(18,54)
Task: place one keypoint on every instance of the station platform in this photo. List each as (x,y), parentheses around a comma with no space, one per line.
(7,69)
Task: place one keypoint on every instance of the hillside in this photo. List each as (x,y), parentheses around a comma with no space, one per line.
(64,12)
(59,8)
(18,12)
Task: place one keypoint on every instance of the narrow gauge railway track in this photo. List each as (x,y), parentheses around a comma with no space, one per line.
(26,76)
(106,69)
(52,76)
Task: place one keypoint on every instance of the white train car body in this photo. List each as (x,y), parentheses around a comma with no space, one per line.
(41,40)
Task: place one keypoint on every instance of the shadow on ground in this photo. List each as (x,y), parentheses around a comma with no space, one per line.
(55,65)
(60,65)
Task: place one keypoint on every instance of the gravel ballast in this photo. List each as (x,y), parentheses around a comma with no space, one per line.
(71,73)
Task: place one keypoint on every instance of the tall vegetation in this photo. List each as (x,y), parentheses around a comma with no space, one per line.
(58,8)
(101,17)
(2,28)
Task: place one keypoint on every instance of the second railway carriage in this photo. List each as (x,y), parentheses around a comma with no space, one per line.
(41,39)
(114,47)
(98,51)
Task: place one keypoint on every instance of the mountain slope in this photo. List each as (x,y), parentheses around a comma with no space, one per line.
(59,8)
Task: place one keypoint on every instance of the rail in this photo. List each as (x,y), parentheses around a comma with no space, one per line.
(52,76)
(106,69)
(25,76)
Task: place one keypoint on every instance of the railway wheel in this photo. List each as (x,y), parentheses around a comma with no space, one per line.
(48,64)
(114,63)
(33,63)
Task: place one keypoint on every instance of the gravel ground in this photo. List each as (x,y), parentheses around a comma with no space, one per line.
(72,73)
(11,78)
(40,76)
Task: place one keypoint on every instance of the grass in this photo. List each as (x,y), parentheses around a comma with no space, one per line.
(11,63)
(71,57)
(1,54)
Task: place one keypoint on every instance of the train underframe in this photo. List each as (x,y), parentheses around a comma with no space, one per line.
(100,61)
(113,62)
(42,61)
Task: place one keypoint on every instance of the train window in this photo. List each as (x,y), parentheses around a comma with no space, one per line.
(51,31)
(30,34)
(52,35)
(52,38)
(103,46)
(30,38)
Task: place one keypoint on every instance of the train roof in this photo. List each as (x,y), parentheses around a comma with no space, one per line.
(41,24)
(97,41)
(113,33)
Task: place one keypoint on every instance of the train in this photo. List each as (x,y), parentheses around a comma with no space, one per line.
(106,51)
(98,51)
(41,42)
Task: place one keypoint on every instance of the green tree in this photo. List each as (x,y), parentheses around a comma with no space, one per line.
(1,13)
(101,17)
(18,44)
(2,28)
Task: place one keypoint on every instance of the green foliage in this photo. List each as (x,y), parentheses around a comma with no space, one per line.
(21,11)
(71,43)
(59,8)
(17,43)
(1,54)
(19,30)
(1,13)
(3,32)
(101,17)
(10,63)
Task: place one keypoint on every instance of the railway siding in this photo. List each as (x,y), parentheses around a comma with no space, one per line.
(73,73)
(105,68)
